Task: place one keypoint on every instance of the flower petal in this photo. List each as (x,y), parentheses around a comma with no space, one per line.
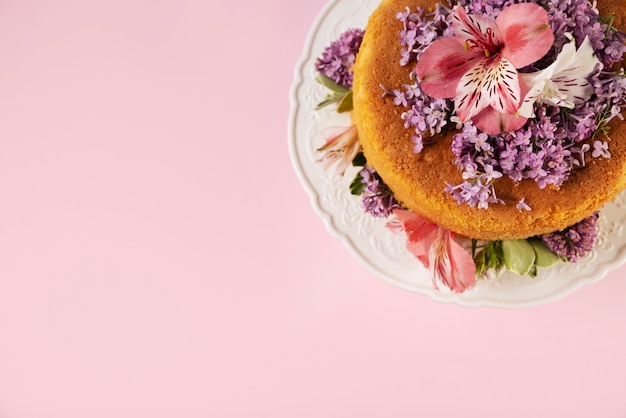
(442,65)
(439,259)
(463,268)
(579,62)
(525,33)
(573,91)
(435,247)
(451,264)
(340,148)
(492,82)
(419,231)
(527,109)
(493,122)
(564,83)
(571,76)
(476,32)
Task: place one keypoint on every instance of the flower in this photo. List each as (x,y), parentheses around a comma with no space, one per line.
(426,115)
(449,263)
(564,83)
(575,241)
(478,66)
(600,149)
(341,149)
(377,198)
(338,58)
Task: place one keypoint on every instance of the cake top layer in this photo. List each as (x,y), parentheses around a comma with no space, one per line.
(429,181)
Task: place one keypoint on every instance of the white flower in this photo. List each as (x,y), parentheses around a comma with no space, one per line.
(341,149)
(564,83)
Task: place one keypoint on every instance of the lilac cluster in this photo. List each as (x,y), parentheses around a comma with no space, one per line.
(377,198)
(426,115)
(338,58)
(476,158)
(491,8)
(547,159)
(610,89)
(581,19)
(543,151)
(546,149)
(420,31)
(575,241)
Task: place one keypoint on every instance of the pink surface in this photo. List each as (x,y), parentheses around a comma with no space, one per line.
(159,257)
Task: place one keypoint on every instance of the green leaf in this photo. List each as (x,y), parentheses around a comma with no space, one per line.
(489,258)
(331,85)
(359,160)
(519,256)
(357,186)
(346,103)
(329,99)
(480,260)
(544,257)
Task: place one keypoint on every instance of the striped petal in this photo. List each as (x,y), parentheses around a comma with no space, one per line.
(463,274)
(571,72)
(442,65)
(451,264)
(490,83)
(572,90)
(476,32)
(564,83)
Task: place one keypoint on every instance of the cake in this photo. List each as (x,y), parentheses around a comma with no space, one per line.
(544,162)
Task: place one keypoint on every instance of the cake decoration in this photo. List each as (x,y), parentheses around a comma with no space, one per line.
(522,91)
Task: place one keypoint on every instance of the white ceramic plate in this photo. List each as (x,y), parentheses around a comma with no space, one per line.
(383,252)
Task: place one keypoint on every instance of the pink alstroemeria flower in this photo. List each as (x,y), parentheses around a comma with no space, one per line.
(478,66)
(436,248)
(341,148)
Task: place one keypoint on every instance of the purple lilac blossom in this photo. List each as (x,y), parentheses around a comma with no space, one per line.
(338,58)
(425,115)
(377,198)
(575,241)
(600,149)
(420,31)
(475,159)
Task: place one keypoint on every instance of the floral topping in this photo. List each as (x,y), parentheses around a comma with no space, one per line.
(478,66)
(377,198)
(341,149)
(564,83)
(338,58)
(574,242)
(449,263)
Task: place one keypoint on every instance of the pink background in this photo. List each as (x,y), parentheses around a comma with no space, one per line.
(159,257)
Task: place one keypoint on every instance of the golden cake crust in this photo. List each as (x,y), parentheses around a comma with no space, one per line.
(418,180)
